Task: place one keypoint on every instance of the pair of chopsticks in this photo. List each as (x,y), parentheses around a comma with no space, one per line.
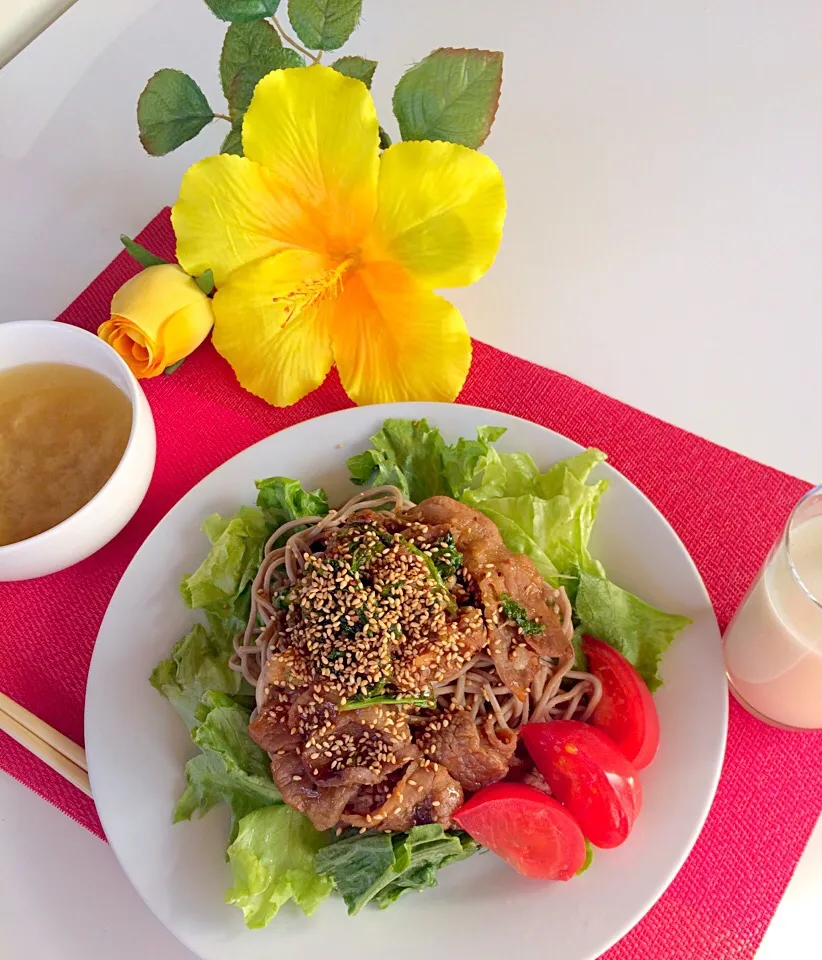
(60,753)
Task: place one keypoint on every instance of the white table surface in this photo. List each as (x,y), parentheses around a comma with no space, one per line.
(664,170)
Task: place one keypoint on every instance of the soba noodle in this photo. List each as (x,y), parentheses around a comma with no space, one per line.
(558,691)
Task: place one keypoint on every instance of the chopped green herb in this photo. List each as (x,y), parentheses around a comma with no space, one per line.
(432,570)
(388,589)
(282,598)
(516,612)
(447,559)
(335,655)
(364,555)
(358,703)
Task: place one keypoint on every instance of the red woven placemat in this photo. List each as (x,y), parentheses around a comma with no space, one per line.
(727,510)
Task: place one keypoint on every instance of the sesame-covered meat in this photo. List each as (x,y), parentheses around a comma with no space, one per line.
(474,756)
(426,793)
(505,581)
(385,613)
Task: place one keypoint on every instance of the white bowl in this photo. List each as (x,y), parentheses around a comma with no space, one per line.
(105,515)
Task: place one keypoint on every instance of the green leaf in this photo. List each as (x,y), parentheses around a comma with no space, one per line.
(218,586)
(174,367)
(171,110)
(385,139)
(549,516)
(580,660)
(360,867)
(231,769)
(324,24)
(382,867)
(205,282)
(242,11)
(639,631)
(246,79)
(412,455)
(273,861)
(357,67)
(450,95)
(198,663)
(425,852)
(144,257)
(247,45)
(405,453)
(233,142)
(282,499)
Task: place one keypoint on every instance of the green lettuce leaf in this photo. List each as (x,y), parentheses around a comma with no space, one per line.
(231,769)
(382,867)
(273,860)
(218,586)
(466,460)
(198,663)
(282,499)
(406,454)
(359,866)
(412,455)
(548,516)
(424,852)
(639,631)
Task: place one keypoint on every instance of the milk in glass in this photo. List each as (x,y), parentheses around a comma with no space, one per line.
(773,645)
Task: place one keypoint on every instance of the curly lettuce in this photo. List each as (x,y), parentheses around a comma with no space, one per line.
(273,861)
(230,768)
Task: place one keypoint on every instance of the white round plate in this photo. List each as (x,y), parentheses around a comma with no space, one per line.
(137,746)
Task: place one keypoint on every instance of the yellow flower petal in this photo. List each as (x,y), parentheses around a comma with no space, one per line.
(440,212)
(395,340)
(271,324)
(142,357)
(150,297)
(185,330)
(316,133)
(230,213)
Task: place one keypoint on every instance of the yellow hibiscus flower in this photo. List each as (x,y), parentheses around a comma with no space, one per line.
(325,251)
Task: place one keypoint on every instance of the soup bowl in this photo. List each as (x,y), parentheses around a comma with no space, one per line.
(110,509)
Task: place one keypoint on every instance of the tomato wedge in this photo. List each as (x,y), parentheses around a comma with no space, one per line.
(532,833)
(586,772)
(626,711)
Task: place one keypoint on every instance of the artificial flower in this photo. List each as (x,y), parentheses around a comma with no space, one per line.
(158,317)
(325,251)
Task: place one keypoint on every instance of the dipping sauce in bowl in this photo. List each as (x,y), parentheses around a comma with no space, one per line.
(77,446)
(63,430)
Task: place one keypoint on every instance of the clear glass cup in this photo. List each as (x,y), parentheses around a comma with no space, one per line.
(773,644)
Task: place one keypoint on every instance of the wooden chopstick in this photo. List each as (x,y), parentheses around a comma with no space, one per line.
(61,754)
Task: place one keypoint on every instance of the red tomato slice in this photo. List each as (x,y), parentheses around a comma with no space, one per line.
(532,833)
(586,772)
(626,711)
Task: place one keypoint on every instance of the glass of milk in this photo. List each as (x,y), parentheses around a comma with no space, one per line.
(773,645)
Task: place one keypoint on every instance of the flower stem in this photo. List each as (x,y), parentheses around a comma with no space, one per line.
(315,58)
(222,116)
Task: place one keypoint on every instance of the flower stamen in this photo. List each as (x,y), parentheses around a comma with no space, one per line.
(311,291)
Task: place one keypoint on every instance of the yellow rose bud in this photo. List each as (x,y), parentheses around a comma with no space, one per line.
(157,318)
